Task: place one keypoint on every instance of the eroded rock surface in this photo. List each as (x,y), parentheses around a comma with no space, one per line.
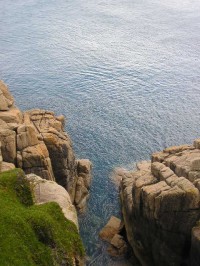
(49,191)
(83,183)
(36,142)
(161,207)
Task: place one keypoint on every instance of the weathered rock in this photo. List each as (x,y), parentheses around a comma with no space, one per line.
(8,142)
(58,143)
(161,205)
(81,194)
(84,170)
(35,159)
(111,228)
(3,102)
(83,183)
(26,136)
(119,244)
(144,165)
(7,166)
(36,141)
(5,91)
(48,191)
(13,115)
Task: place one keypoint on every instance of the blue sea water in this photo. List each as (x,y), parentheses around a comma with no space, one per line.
(125,73)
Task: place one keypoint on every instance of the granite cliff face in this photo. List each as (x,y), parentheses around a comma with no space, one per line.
(36,142)
(161,207)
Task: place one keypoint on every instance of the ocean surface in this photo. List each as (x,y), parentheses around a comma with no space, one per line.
(125,73)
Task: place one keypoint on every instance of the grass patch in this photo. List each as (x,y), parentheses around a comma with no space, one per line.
(33,234)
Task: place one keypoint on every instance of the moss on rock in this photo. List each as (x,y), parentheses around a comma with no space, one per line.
(33,234)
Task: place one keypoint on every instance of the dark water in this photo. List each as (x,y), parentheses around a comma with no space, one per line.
(125,73)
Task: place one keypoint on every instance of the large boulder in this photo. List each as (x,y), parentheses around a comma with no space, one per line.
(49,191)
(110,229)
(161,205)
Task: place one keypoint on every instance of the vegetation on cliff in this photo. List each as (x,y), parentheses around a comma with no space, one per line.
(33,234)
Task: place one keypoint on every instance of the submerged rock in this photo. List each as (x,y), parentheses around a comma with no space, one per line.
(161,206)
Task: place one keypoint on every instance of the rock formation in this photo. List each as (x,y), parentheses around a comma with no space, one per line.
(113,234)
(36,142)
(161,207)
(49,191)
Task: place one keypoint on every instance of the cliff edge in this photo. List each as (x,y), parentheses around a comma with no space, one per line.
(161,207)
(36,142)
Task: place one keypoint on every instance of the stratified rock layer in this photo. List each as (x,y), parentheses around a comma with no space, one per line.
(36,142)
(161,207)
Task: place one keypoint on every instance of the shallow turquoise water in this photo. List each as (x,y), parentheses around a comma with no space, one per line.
(126,74)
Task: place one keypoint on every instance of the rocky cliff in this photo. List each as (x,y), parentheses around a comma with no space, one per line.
(161,207)
(36,142)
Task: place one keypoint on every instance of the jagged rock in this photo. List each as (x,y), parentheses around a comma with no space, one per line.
(6,93)
(3,102)
(83,183)
(58,143)
(35,159)
(110,229)
(6,100)
(36,141)
(26,136)
(48,191)
(161,205)
(84,170)
(81,194)
(13,115)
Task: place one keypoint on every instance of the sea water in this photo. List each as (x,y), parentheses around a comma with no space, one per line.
(125,73)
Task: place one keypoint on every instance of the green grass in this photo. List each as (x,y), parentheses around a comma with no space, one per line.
(33,234)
